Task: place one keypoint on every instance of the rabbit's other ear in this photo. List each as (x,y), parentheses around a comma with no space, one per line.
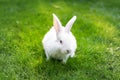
(56,23)
(69,24)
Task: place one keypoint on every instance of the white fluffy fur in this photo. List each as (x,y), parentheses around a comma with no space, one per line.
(51,41)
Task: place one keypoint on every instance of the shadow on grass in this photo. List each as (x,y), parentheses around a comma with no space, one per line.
(78,67)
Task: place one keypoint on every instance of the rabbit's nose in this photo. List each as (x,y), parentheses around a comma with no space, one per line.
(68,51)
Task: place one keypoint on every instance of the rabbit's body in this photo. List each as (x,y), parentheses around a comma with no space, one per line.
(58,43)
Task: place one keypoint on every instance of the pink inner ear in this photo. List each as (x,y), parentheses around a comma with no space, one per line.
(56,23)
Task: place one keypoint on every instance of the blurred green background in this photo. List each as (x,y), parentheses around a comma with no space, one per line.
(23,24)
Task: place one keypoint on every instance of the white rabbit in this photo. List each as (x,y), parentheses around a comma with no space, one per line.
(59,42)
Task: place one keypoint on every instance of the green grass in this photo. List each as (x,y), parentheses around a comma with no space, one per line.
(23,24)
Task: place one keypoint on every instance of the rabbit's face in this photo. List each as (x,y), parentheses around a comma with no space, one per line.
(64,40)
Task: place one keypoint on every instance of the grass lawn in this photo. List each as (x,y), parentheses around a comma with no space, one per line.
(23,24)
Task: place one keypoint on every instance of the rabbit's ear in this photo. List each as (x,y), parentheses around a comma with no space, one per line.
(69,24)
(56,23)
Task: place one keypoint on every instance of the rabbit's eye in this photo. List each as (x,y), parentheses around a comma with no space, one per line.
(61,42)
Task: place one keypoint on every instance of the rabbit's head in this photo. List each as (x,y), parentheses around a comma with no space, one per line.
(64,36)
